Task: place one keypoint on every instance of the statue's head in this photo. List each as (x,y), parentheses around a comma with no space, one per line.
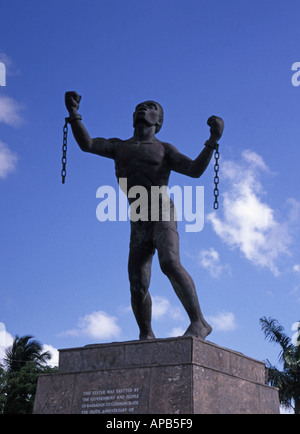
(150,112)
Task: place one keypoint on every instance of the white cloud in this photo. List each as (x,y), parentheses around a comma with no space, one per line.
(98,325)
(54,355)
(249,223)
(210,259)
(296,268)
(10,114)
(5,59)
(177,331)
(255,160)
(6,340)
(10,111)
(223,321)
(161,307)
(8,160)
(9,64)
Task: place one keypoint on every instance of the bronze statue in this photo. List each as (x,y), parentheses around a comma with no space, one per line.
(146,161)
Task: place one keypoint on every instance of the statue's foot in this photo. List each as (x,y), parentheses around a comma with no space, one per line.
(145,337)
(199,329)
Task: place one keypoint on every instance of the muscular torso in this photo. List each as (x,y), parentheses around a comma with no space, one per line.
(142,163)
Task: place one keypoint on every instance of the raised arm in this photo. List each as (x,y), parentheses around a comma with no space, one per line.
(195,168)
(99,146)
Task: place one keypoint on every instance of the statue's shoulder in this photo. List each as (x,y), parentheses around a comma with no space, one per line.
(169,148)
(116,140)
(123,141)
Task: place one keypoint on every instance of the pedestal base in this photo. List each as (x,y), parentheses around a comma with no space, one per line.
(163,376)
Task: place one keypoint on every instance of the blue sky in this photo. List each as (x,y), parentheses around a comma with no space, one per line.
(63,274)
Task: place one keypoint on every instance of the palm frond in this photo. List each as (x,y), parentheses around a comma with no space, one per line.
(24,350)
(275,333)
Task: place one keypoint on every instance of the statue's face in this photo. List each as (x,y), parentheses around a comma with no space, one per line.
(149,112)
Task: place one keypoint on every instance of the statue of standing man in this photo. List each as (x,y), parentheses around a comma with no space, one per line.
(146,161)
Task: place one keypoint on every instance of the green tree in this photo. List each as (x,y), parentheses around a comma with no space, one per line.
(2,392)
(287,380)
(25,350)
(23,362)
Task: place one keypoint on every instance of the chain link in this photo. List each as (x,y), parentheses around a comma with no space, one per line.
(64,152)
(216,178)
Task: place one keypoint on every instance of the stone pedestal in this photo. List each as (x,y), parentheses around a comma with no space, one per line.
(162,376)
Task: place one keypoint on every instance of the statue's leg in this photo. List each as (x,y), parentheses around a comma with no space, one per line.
(167,244)
(139,270)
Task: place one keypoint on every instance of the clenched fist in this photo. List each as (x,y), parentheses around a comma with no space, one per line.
(216,125)
(72,100)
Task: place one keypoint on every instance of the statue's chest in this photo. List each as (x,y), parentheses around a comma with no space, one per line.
(132,154)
